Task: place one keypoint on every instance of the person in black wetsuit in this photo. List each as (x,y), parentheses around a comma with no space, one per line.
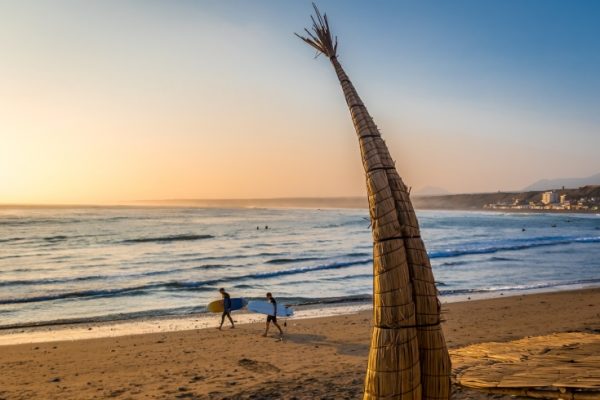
(272,318)
(226,308)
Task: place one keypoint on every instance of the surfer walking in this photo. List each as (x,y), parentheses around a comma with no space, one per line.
(272,318)
(226,308)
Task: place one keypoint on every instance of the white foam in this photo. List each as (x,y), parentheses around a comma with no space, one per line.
(156,325)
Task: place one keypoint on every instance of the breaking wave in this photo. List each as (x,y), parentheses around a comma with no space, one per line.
(511,245)
(190,285)
(166,239)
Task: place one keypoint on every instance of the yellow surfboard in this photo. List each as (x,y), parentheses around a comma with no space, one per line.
(217,305)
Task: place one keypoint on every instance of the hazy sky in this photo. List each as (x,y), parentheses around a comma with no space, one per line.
(113,101)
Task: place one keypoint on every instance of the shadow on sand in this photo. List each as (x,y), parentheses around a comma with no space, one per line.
(345,348)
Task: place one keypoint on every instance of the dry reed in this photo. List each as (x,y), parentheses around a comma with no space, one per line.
(408,358)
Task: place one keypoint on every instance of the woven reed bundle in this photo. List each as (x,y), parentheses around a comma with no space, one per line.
(561,365)
(408,358)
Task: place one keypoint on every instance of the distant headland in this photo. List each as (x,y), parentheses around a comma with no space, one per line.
(584,199)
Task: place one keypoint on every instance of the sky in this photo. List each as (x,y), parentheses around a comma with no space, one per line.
(107,102)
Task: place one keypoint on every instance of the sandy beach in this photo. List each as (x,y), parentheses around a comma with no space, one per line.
(413,188)
(318,358)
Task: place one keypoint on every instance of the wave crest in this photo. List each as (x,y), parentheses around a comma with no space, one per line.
(511,245)
(189,285)
(166,239)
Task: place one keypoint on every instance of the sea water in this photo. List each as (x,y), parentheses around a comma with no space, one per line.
(104,263)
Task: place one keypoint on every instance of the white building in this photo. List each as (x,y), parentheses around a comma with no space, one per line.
(549,197)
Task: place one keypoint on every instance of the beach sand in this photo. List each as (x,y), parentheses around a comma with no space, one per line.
(319,358)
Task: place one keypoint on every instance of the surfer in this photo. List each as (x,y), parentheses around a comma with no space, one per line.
(272,318)
(226,308)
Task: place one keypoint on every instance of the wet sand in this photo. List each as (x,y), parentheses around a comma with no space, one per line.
(318,358)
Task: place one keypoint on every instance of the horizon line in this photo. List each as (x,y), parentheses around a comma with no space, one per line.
(147,202)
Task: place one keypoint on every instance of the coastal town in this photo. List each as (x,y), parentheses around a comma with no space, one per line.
(550,200)
(585,199)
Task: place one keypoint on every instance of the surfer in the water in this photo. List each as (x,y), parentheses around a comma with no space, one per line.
(273,317)
(226,308)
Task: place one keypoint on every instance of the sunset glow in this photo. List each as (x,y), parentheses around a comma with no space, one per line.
(113,102)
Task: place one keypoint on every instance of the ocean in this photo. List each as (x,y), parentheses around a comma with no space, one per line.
(108,263)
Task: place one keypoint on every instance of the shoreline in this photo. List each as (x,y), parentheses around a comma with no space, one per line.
(157,314)
(317,357)
(96,328)
(161,324)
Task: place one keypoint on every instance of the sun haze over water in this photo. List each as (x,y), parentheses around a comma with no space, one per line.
(110,101)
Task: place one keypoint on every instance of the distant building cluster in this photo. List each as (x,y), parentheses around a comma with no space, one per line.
(550,200)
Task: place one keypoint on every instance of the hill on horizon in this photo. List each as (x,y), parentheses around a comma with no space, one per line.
(568,183)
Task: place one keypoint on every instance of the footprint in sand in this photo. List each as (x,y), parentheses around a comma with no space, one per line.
(257,366)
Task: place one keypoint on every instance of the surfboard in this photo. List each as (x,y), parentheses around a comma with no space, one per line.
(264,307)
(217,305)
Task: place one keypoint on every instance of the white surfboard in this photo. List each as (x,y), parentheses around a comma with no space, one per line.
(264,307)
